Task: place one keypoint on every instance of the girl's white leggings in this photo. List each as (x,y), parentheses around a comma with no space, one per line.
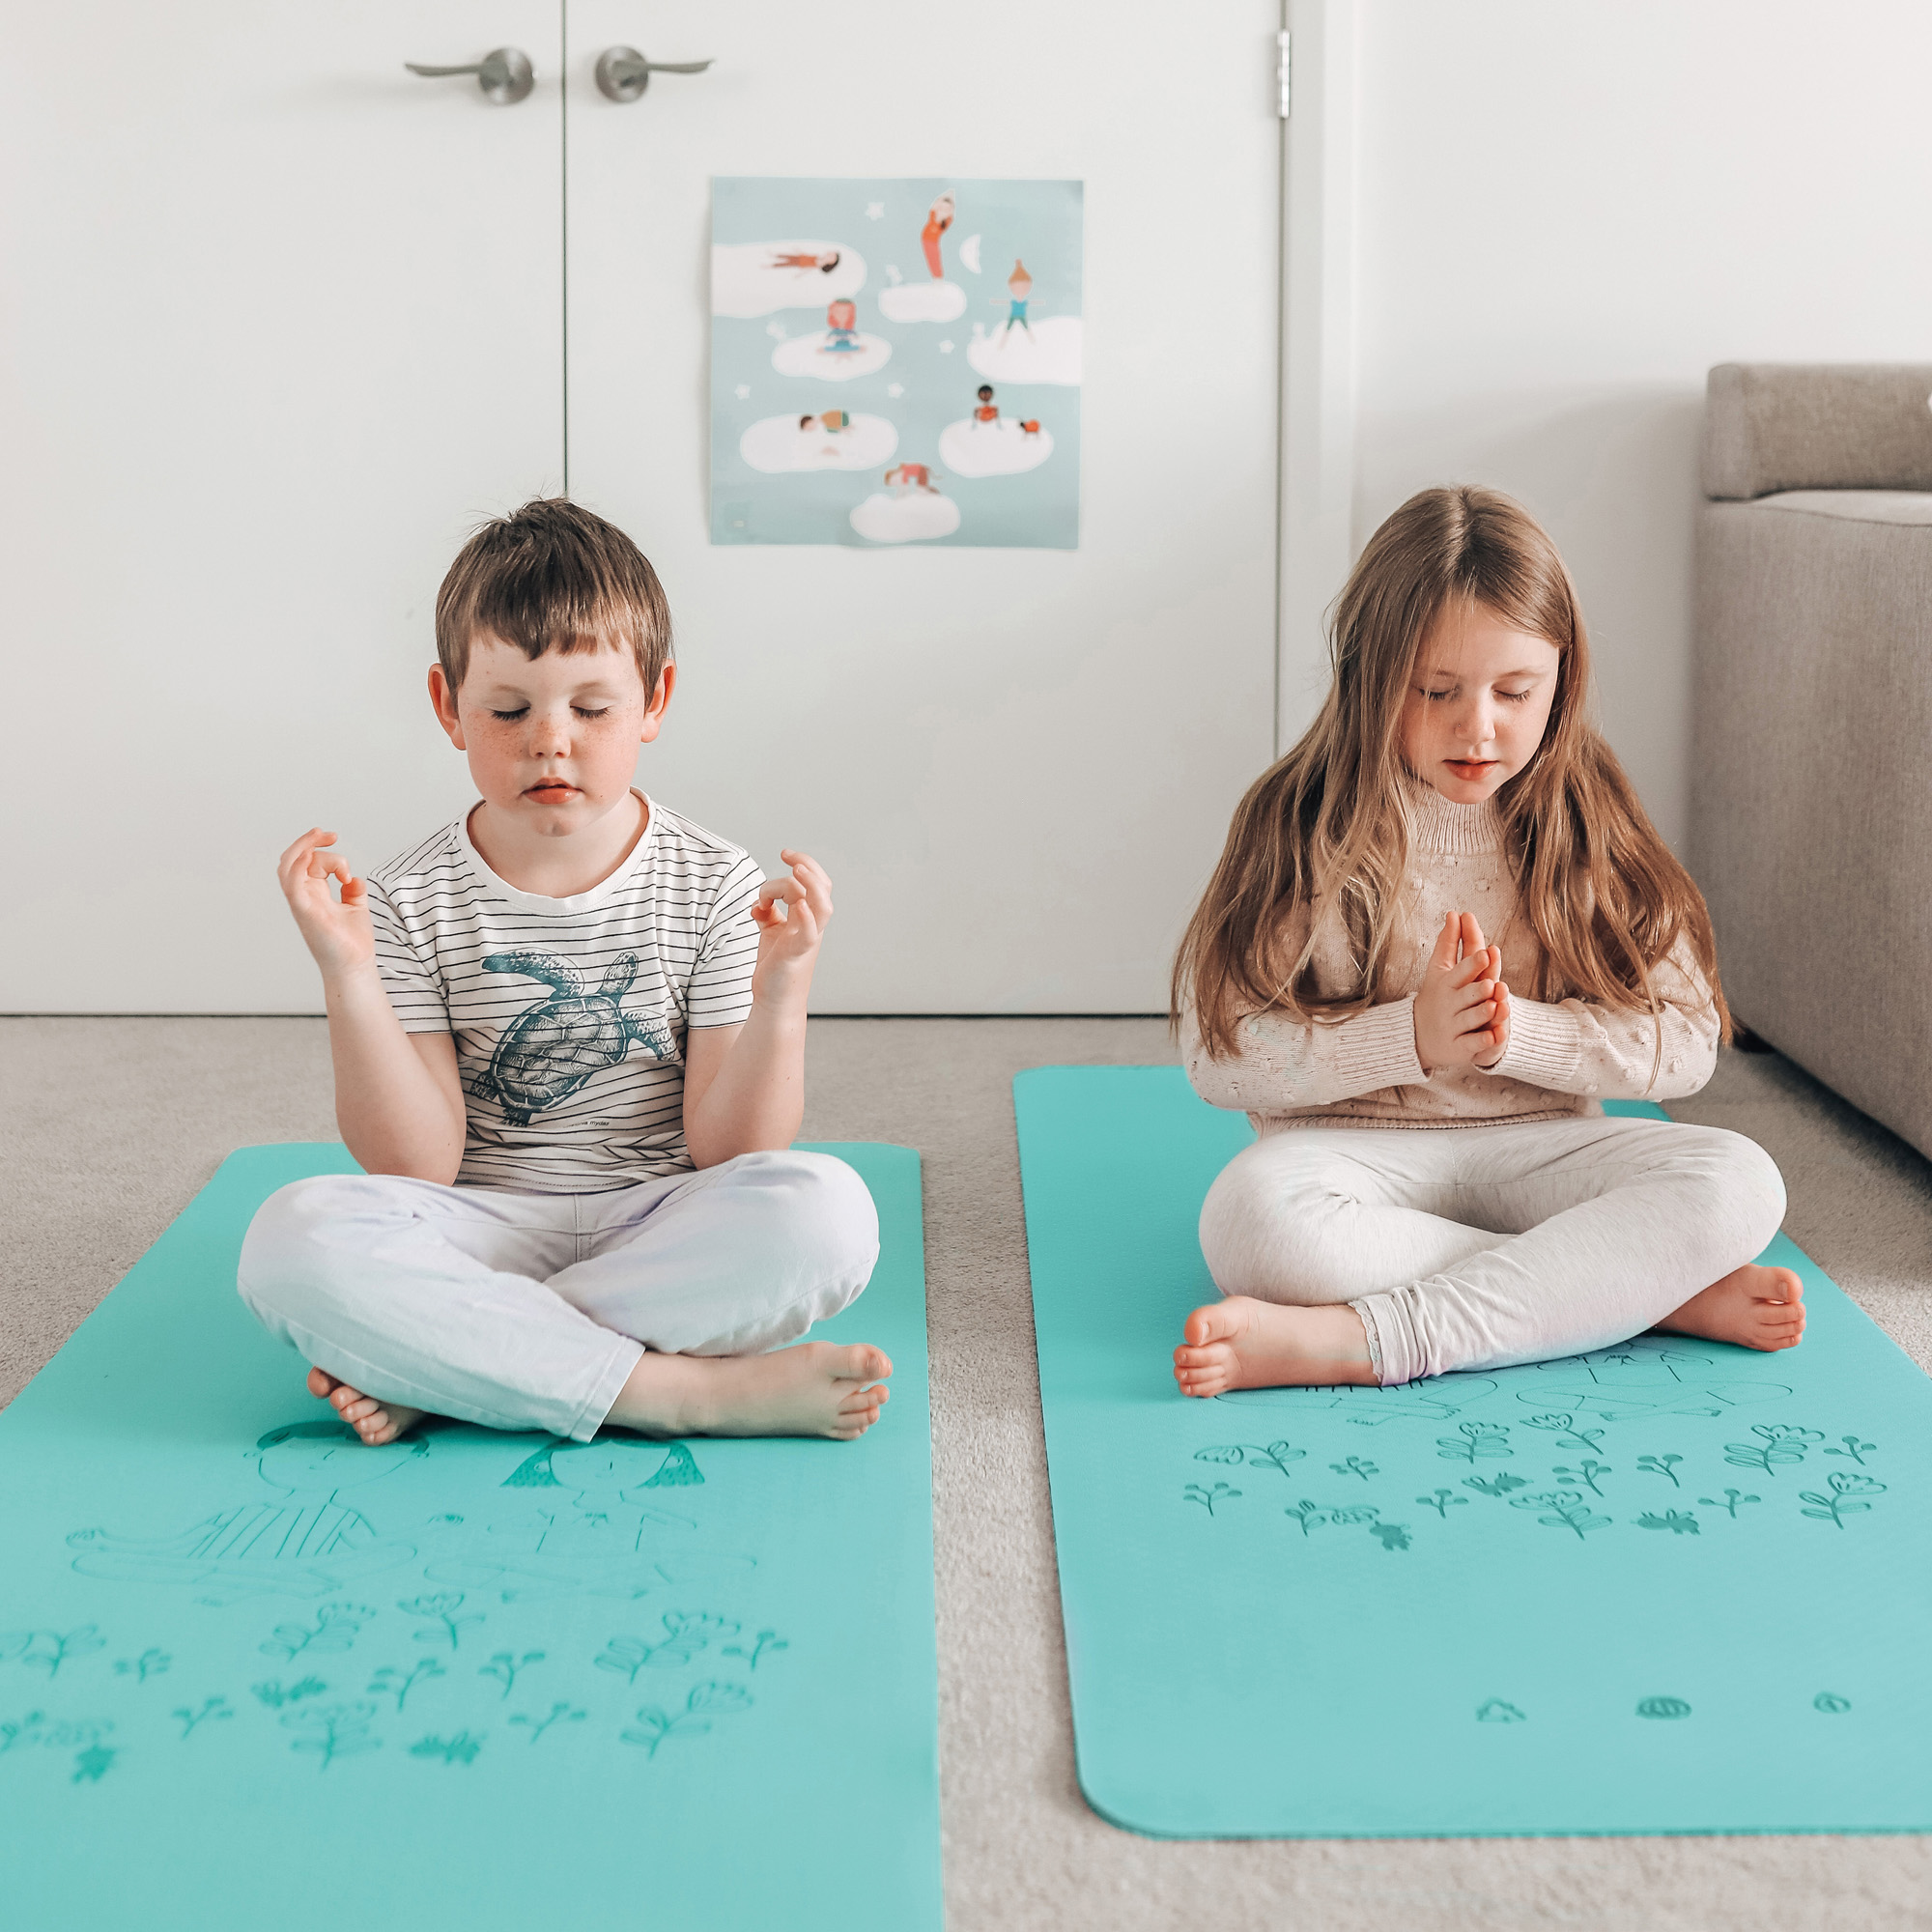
(1475,1247)
(530,1311)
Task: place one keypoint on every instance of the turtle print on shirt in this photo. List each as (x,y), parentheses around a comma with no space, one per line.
(548,1051)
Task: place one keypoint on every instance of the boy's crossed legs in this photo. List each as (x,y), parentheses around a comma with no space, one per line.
(1361,1255)
(652,1307)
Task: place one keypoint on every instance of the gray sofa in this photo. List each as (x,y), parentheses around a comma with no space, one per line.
(1811,786)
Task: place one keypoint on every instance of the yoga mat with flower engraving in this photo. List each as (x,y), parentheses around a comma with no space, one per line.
(1670,1587)
(253,1673)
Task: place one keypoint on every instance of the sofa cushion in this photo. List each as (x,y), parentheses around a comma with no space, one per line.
(1771,426)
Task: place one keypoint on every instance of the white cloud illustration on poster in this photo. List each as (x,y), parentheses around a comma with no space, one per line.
(1002,448)
(922,301)
(833,354)
(755,279)
(831,440)
(930,445)
(915,515)
(1047,350)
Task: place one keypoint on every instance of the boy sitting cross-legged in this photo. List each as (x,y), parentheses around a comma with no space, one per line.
(568,1034)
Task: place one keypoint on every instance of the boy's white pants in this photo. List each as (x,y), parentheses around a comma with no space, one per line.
(1475,1247)
(528,1311)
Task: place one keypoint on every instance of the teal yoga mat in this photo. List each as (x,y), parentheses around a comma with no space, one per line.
(1672,1586)
(474,1680)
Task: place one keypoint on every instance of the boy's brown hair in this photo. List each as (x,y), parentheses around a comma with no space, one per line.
(553,577)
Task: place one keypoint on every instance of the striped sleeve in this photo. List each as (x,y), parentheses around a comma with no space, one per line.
(719,991)
(414,984)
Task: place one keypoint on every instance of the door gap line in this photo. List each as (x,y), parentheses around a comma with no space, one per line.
(563,187)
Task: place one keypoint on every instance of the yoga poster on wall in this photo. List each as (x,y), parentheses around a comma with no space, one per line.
(895,362)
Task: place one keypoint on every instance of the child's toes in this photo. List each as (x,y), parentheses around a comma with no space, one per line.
(320,1382)
(856,1362)
(1216,1322)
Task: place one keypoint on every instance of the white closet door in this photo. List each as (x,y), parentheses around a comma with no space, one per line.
(282,321)
(1018,766)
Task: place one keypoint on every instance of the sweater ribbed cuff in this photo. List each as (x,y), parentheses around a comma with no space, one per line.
(1546,1046)
(1377,1049)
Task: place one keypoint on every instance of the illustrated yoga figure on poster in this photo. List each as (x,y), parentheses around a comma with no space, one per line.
(939,218)
(824,263)
(1019,286)
(1442,930)
(841,330)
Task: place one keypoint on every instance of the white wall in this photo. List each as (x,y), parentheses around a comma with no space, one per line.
(1565,216)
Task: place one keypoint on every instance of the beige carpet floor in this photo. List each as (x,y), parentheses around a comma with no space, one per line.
(108,1127)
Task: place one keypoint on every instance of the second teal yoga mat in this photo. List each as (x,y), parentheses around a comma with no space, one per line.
(1672,1586)
(469,1680)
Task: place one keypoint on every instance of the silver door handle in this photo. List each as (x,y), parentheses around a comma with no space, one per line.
(623,72)
(504,74)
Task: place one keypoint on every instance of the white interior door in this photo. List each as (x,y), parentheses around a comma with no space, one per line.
(282,321)
(1018,766)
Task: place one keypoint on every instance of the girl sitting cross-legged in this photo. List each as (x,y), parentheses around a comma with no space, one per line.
(1442,930)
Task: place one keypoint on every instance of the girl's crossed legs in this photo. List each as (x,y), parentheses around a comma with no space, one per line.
(1368,1255)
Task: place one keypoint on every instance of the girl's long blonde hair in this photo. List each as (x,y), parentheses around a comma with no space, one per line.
(1327,828)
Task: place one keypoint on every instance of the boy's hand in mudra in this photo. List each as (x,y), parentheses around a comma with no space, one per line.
(338,932)
(792,914)
(1461,1009)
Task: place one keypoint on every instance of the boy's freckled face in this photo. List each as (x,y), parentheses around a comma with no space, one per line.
(552,740)
(1477,703)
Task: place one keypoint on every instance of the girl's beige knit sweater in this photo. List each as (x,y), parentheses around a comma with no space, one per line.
(1561,1060)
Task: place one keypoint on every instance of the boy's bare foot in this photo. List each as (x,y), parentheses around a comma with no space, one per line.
(1755,1307)
(376,1422)
(1241,1342)
(817,1388)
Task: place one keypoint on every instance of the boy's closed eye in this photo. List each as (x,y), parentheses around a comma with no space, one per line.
(522,710)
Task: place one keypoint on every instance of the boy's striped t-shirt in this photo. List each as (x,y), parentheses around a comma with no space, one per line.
(570,1015)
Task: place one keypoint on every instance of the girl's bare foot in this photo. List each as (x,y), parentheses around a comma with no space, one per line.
(817,1388)
(1241,1342)
(1755,1307)
(376,1422)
